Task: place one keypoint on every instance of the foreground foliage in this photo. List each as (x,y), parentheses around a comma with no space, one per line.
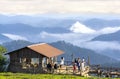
(2,49)
(2,58)
(44,76)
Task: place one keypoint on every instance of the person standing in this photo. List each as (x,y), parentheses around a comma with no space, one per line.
(78,64)
(74,68)
(62,62)
(76,60)
(83,65)
(49,67)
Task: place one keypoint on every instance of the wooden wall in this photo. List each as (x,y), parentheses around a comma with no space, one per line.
(15,65)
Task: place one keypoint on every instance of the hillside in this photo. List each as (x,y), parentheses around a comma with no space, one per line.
(20,28)
(108,37)
(3,38)
(54,20)
(114,64)
(68,49)
(101,23)
(17,44)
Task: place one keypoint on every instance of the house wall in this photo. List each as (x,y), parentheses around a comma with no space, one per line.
(15,64)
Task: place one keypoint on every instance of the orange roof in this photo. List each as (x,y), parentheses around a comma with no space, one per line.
(46,49)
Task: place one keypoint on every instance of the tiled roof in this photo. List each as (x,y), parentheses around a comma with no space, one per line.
(44,49)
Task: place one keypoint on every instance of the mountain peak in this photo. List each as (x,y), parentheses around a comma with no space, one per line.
(81,28)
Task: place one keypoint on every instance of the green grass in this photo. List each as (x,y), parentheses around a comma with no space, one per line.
(44,76)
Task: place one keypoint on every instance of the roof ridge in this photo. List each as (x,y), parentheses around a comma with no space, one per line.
(36,44)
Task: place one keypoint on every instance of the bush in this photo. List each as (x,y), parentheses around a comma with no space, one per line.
(2,59)
(2,63)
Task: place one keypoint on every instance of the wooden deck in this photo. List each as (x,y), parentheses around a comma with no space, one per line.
(69,70)
(87,72)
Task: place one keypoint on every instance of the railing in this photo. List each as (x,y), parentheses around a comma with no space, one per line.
(104,71)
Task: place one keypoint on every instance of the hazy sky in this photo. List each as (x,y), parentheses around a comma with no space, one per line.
(59,6)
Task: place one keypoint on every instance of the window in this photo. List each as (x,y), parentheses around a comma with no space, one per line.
(35,62)
(29,62)
(24,64)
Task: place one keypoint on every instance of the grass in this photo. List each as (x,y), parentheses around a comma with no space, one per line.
(44,76)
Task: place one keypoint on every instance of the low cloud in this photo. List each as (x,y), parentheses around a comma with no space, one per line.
(14,37)
(79,39)
(99,45)
(81,28)
(108,30)
(65,36)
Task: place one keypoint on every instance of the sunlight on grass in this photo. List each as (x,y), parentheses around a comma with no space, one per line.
(43,76)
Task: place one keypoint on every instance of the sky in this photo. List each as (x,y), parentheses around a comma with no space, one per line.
(59,6)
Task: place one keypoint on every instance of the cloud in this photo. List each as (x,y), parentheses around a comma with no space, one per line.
(80,28)
(90,0)
(83,39)
(59,6)
(99,45)
(108,30)
(69,37)
(14,37)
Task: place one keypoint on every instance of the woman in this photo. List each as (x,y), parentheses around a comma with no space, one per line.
(62,62)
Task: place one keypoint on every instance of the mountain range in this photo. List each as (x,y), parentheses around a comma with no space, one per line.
(14,45)
(108,37)
(114,52)
(69,29)
(61,27)
(55,20)
(20,28)
(101,23)
(76,51)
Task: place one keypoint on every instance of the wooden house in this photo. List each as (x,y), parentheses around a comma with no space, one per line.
(32,58)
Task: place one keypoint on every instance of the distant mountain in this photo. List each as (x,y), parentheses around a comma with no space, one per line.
(112,37)
(114,64)
(28,31)
(112,53)
(68,49)
(57,21)
(3,38)
(20,28)
(108,37)
(38,20)
(101,23)
(14,45)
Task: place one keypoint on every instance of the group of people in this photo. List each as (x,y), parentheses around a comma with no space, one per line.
(51,66)
(78,64)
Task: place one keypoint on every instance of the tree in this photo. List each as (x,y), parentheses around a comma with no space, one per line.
(2,50)
(2,63)
(2,58)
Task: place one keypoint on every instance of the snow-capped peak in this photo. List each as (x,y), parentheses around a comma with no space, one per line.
(80,28)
